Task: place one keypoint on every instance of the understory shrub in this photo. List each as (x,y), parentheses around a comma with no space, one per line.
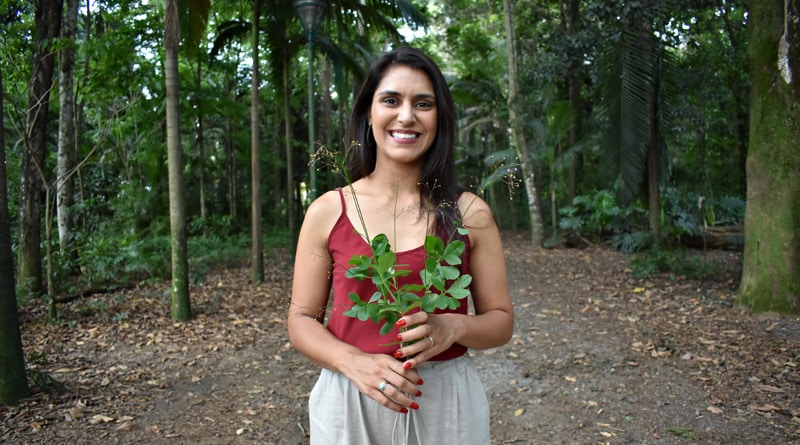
(677,263)
(597,216)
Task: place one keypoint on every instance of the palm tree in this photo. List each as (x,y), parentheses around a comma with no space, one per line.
(637,104)
(195,15)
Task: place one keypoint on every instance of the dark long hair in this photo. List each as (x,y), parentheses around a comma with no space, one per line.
(438,180)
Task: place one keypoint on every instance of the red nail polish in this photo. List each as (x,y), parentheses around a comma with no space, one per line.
(414,405)
(399,338)
(404,411)
(400,323)
(398,353)
(419,382)
(419,393)
(407,365)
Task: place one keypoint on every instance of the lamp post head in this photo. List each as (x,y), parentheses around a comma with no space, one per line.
(310,12)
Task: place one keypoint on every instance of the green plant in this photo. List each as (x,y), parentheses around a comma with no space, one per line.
(687,213)
(390,301)
(632,241)
(597,214)
(683,432)
(677,262)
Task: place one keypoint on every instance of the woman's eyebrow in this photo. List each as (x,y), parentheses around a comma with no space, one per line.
(416,96)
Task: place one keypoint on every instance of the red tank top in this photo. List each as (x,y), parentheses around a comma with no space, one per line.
(343,242)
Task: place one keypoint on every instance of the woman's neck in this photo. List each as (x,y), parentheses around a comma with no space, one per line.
(397,181)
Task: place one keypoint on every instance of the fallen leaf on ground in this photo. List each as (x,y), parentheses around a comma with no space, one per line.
(769,388)
(126,425)
(765,408)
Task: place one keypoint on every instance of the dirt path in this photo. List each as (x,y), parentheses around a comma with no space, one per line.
(598,357)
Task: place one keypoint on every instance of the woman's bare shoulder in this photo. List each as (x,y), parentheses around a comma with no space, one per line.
(474,210)
(324,211)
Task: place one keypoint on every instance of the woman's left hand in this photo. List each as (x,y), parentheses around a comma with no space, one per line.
(434,334)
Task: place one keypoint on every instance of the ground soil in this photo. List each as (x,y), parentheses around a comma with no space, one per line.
(598,357)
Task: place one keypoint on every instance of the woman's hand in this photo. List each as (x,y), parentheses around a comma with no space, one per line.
(434,334)
(385,380)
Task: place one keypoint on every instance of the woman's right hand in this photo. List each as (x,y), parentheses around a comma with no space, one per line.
(382,378)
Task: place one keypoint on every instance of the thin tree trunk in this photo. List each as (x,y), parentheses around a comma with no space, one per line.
(653,195)
(771,224)
(325,125)
(48,23)
(654,149)
(739,92)
(528,169)
(257,242)
(180,308)
(201,155)
(574,76)
(67,143)
(290,201)
(230,155)
(79,114)
(14,382)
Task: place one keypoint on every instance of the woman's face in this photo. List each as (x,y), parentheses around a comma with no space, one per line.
(403,114)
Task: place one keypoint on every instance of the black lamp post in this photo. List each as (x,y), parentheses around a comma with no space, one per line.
(311,12)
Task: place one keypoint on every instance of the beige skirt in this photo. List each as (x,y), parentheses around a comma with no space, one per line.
(453,409)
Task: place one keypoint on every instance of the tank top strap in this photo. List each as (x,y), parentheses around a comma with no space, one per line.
(341,198)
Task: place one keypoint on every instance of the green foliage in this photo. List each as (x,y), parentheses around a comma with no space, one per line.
(107,258)
(627,242)
(681,263)
(219,226)
(598,214)
(442,286)
(682,432)
(206,252)
(689,213)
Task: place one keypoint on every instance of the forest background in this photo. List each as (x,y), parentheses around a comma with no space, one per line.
(135,131)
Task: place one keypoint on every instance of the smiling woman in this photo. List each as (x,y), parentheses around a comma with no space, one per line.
(403,187)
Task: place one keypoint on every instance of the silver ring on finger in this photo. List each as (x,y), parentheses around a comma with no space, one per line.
(382,386)
(431,339)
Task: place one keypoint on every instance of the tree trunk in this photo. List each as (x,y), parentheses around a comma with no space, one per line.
(653,155)
(528,169)
(201,155)
(80,221)
(48,24)
(574,76)
(772,217)
(13,380)
(180,308)
(290,201)
(257,241)
(739,91)
(325,124)
(230,154)
(66,133)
